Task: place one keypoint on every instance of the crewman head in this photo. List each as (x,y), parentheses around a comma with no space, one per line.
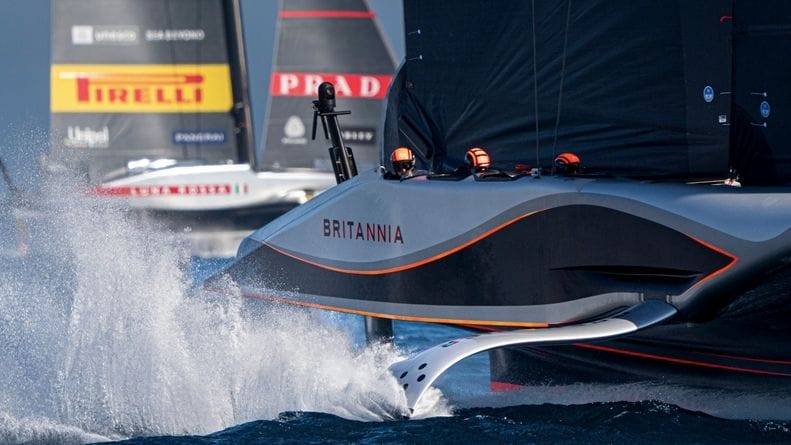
(567,164)
(477,159)
(403,161)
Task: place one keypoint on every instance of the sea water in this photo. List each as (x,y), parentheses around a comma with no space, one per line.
(103,337)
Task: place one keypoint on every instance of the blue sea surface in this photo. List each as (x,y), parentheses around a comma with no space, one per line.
(103,338)
(618,422)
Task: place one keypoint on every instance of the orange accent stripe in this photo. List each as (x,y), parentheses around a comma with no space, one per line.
(315,14)
(680,360)
(734,260)
(410,265)
(522,324)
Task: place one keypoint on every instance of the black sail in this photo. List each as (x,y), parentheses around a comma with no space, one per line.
(760,132)
(338,41)
(146,80)
(641,89)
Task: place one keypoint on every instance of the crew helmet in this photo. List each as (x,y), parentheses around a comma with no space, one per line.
(402,159)
(567,164)
(477,159)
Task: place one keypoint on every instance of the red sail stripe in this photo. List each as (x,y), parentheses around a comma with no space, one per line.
(317,14)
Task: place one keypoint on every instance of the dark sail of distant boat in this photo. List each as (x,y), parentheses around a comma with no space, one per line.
(314,45)
(136,82)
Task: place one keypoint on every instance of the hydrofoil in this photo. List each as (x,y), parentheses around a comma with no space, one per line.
(417,373)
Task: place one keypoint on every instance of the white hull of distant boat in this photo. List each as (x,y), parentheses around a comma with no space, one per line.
(216,187)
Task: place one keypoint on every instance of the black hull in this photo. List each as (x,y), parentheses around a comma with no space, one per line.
(549,252)
(744,347)
(523,253)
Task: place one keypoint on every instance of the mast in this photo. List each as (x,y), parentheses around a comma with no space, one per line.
(239,80)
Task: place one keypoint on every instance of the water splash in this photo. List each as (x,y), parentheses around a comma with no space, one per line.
(36,430)
(105,337)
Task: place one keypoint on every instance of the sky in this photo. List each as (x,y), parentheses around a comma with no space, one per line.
(24,76)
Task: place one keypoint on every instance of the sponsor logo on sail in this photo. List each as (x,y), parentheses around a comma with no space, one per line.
(82,35)
(363,135)
(360,86)
(141,88)
(362,231)
(86,137)
(104,35)
(174,35)
(198,137)
(294,131)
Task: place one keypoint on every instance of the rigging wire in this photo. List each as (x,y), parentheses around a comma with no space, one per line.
(562,75)
(535,78)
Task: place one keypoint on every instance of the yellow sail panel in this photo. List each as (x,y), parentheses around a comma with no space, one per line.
(204,88)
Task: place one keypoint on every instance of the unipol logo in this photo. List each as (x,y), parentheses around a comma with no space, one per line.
(86,137)
(360,86)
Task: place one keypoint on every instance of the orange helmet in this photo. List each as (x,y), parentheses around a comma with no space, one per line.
(477,159)
(402,159)
(567,163)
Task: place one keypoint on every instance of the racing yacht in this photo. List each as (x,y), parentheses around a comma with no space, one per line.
(601,193)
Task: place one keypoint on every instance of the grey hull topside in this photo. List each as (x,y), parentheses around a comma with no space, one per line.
(434,217)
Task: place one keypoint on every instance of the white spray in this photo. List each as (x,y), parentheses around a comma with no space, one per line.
(101,335)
